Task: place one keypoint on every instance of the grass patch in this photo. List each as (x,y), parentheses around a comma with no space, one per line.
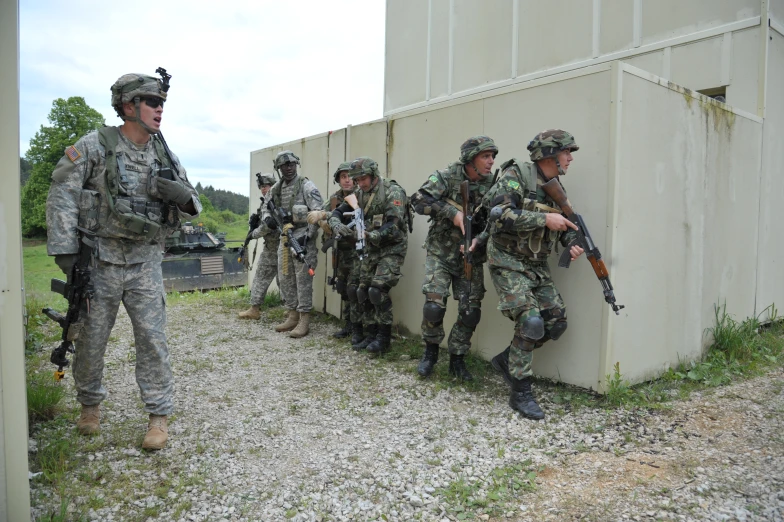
(44,396)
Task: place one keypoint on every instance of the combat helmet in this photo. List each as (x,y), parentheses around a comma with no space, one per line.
(363,166)
(134,87)
(475,145)
(264,179)
(343,167)
(548,143)
(285,156)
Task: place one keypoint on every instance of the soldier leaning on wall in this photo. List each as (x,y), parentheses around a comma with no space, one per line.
(520,242)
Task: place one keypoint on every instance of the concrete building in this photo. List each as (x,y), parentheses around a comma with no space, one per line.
(678,189)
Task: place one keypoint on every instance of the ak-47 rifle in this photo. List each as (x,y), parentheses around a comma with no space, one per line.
(468,257)
(556,192)
(333,244)
(78,288)
(282,218)
(253,224)
(357,223)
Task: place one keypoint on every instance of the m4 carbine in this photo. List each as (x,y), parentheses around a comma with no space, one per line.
(357,223)
(78,288)
(253,224)
(284,224)
(556,192)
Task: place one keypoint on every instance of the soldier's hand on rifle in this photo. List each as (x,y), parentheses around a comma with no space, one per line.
(458,221)
(66,262)
(576,251)
(339,228)
(271,223)
(474,241)
(174,191)
(558,222)
(314,216)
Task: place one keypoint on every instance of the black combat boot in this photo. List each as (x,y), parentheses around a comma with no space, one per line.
(383,340)
(501,364)
(522,399)
(344,332)
(457,368)
(356,333)
(429,360)
(370,335)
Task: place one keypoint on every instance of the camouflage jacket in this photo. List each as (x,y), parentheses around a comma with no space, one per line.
(271,237)
(334,201)
(80,196)
(432,199)
(521,230)
(302,194)
(385,207)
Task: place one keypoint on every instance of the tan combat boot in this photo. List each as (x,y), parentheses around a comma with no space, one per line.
(157,433)
(251,313)
(303,326)
(89,422)
(290,322)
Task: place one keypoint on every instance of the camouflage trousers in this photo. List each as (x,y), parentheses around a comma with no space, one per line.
(140,289)
(348,261)
(266,271)
(380,269)
(296,287)
(439,277)
(529,292)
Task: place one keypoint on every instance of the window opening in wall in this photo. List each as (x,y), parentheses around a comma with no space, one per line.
(717,93)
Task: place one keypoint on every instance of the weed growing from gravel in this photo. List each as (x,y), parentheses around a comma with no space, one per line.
(44,396)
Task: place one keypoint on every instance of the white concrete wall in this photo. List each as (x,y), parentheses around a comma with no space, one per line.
(442,49)
(14,487)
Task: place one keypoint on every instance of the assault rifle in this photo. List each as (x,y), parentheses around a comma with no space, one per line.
(556,192)
(253,224)
(78,288)
(283,218)
(468,257)
(357,223)
(333,244)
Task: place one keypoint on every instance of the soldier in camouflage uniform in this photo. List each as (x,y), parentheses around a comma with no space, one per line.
(124,184)
(387,219)
(440,198)
(344,252)
(521,240)
(297,195)
(267,269)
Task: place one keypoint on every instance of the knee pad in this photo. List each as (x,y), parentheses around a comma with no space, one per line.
(379,298)
(351,293)
(553,314)
(557,329)
(362,294)
(533,327)
(471,319)
(433,312)
(341,287)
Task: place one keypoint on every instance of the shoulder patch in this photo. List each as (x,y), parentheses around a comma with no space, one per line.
(512,183)
(72,153)
(433,178)
(397,202)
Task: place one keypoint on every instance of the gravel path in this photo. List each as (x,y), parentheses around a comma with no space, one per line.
(270,429)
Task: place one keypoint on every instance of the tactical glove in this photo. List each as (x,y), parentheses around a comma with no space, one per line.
(314,216)
(66,262)
(174,191)
(339,228)
(271,223)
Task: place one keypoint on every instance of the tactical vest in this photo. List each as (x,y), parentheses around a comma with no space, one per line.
(277,195)
(126,210)
(377,202)
(534,244)
(443,229)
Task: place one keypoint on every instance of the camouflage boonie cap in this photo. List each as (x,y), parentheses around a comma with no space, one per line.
(475,145)
(129,86)
(264,179)
(343,167)
(548,143)
(285,157)
(363,166)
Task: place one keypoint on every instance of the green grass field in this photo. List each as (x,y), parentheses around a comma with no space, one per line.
(39,269)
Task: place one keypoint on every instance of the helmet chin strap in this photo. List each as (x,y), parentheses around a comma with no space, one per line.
(138,118)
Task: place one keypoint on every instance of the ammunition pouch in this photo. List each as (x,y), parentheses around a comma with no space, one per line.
(89,209)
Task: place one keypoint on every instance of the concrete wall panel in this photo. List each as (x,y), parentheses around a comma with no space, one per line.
(537,23)
(439,49)
(482,43)
(777,10)
(663,19)
(697,65)
(743,89)
(617,25)
(369,139)
(651,62)
(337,155)
(406,53)
(770,283)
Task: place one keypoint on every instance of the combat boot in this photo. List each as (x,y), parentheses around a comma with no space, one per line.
(522,399)
(371,331)
(251,313)
(290,323)
(429,360)
(303,326)
(501,364)
(356,334)
(89,422)
(157,433)
(382,341)
(345,331)
(457,367)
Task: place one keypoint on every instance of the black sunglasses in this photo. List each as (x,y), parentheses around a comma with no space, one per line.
(152,102)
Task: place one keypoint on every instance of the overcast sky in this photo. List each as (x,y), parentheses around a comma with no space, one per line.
(245,74)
